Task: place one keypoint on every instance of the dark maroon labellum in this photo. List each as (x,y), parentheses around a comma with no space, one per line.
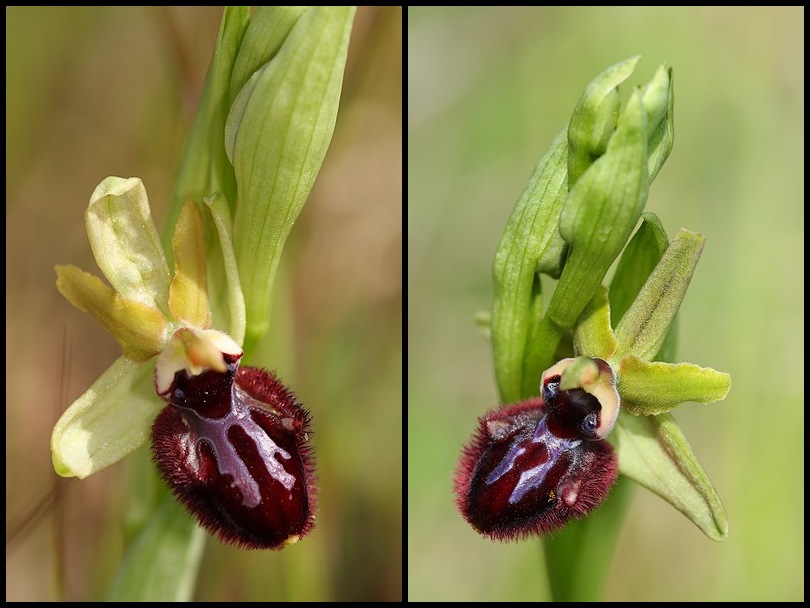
(233,448)
(533,466)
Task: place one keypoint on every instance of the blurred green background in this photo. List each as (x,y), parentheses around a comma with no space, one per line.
(488,90)
(92,92)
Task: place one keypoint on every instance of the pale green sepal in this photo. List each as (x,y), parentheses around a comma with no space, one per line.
(600,213)
(107,422)
(236,300)
(593,335)
(653,451)
(636,264)
(141,330)
(594,118)
(125,241)
(281,126)
(162,562)
(670,345)
(653,388)
(644,326)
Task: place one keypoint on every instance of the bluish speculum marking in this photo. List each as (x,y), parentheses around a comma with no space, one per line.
(543,440)
(214,432)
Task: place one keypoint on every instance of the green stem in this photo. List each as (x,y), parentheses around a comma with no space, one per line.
(578,558)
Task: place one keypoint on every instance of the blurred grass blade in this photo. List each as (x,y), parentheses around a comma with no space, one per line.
(483,321)
(653,452)
(162,562)
(530,243)
(107,422)
(653,388)
(278,131)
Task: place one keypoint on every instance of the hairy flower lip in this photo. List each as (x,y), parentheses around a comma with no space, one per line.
(234,449)
(232,444)
(514,479)
(533,466)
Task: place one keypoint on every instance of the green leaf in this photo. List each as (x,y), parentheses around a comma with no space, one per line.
(644,326)
(126,243)
(600,213)
(281,124)
(107,422)
(653,388)
(530,243)
(162,562)
(636,264)
(594,119)
(268,29)
(653,451)
(205,168)
(236,300)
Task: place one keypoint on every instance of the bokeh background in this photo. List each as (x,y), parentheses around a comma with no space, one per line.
(488,90)
(92,92)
